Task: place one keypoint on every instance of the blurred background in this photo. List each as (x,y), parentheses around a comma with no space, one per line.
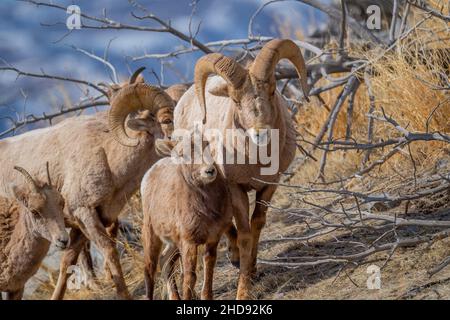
(36,39)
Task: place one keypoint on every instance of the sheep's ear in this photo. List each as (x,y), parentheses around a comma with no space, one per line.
(138,124)
(111,89)
(140,79)
(20,194)
(220,90)
(164,147)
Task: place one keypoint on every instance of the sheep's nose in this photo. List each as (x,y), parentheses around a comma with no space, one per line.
(210,171)
(62,242)
(260,136)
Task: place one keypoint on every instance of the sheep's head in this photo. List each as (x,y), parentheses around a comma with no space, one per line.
(252,90)
(176,91)
(150,110)
(197,167)
(44,208)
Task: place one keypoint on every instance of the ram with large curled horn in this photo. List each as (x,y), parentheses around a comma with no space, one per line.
(98,162)
(136,96)
(241,98)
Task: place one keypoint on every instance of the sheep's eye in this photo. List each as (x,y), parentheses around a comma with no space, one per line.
(167,121)
(36,213)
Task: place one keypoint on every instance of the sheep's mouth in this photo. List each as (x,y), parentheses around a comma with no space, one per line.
(208,176)
(61,245)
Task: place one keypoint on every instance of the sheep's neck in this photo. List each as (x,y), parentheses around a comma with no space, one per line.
(129,164)
(24,251)
(204,200)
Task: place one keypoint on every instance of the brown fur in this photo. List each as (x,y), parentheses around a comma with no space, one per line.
(28,224)
(184,210)
(9,215)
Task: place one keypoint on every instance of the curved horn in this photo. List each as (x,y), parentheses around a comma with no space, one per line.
(264,65)
(49,181)
(216,63)
(29,179)
(132,98)
(136,75)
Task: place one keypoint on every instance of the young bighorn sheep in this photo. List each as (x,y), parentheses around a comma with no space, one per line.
(29,222)
(247,100)
(187,207)
(99,163)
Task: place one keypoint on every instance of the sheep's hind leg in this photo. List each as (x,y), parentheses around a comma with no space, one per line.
(244,239)
(87,266)
(69,258)
(233,248)
(96,232)
(168,261)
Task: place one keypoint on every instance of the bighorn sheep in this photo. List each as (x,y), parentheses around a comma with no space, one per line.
(29,222)
(188,207)
(247,100)
(175,92)
(98,164)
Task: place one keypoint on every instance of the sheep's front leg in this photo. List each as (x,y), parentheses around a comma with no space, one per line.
(259,220)
(209,262)
(113,231)
(69,258)
(167,262)
(189,259)
(96,232)
(15,295)
(87,266)
(240,213)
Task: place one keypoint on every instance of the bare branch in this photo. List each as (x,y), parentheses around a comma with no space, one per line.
(43,75)
(30,119)
(326,8)
(102,60)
